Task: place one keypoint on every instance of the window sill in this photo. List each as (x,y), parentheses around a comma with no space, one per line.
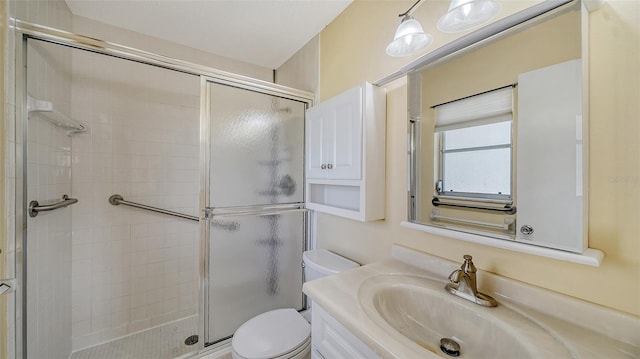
(591,257)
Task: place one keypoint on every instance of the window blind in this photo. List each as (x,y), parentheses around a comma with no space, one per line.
(489,107)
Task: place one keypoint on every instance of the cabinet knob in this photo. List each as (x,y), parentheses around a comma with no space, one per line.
(323,166)
(329,166)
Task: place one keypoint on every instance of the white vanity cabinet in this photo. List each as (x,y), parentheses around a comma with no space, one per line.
(345,154)
(330,339)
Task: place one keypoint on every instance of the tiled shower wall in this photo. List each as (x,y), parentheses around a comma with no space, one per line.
(48,163)
(133,269)
(48,239)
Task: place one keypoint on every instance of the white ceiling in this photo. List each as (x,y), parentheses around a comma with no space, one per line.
(261,32)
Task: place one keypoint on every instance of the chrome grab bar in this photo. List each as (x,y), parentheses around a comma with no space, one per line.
(35,207)
(117,199)
(507,209)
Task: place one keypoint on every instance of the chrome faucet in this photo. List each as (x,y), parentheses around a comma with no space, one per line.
(463,284)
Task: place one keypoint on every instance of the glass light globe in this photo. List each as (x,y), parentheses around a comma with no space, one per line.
(409,38)
(465,14)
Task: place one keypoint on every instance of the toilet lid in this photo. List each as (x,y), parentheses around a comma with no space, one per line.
(271,334)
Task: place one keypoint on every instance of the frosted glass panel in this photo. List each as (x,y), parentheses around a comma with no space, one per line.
(6,321)
(257,148)
(255,267)
(478,136)
(487,171)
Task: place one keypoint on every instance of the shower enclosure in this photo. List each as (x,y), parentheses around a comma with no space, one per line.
(169,200)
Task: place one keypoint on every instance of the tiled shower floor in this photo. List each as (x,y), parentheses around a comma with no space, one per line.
(164,342)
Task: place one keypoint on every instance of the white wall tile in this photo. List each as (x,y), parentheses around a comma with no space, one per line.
(49,247)
(132,251)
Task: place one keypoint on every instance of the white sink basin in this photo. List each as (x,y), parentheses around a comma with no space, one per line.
(421,310)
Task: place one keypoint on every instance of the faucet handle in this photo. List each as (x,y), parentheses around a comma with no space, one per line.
(455,276)
(468,266)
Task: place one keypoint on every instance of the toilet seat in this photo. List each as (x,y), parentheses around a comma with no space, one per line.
(274,334)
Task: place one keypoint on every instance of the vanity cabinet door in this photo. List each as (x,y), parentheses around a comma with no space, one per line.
(334,137)
(330,339)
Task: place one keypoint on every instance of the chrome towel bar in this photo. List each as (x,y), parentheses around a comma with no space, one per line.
(117,199)
(507,209)
(506,226)
(264,210)
(35,207)
(214,213)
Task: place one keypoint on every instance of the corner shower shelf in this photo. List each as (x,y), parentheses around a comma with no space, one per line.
(49,113)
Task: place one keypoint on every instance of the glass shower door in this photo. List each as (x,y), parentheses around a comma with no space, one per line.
(7,315)
(255,210)
(253,268)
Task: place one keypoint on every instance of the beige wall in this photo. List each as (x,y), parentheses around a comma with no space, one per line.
(357,39)
(352,51)
(300,71)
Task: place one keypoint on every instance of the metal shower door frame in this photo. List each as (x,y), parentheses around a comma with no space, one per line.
(25,30)
(205,178)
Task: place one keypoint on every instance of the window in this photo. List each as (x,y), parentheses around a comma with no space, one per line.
(475,146)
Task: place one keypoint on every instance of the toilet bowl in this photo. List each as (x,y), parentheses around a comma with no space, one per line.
(280,333)
(284,333)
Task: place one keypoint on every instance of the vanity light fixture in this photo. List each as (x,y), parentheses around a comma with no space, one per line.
(465,14)
(410,37)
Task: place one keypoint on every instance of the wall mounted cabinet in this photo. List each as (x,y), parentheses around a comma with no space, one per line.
(334,135)
(345,139)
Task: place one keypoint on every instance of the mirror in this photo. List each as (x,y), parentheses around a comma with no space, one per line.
(497,137)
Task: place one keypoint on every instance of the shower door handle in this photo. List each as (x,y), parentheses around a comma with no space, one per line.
(261,210)
(7,286)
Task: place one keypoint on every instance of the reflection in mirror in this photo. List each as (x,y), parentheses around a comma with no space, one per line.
(497,140)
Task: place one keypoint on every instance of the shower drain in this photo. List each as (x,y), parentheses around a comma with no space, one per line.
(191,340)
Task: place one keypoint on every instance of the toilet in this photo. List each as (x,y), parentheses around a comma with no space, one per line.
(285,333)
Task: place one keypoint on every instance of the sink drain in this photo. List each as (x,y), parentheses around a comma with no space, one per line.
(450,347)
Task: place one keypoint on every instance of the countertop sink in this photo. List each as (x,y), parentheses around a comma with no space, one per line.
(421,310)
(400,309)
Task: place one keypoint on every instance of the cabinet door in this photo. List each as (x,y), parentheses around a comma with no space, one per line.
(320,123)
(334,137)
(345,159)
(550,108)
(331,339)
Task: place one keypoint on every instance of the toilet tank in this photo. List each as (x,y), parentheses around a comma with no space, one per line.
(320,262)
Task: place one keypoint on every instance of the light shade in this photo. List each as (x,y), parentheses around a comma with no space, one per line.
(409,38)
(465,14)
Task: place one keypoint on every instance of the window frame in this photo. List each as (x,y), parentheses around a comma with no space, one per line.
(485,108)
(473,196)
